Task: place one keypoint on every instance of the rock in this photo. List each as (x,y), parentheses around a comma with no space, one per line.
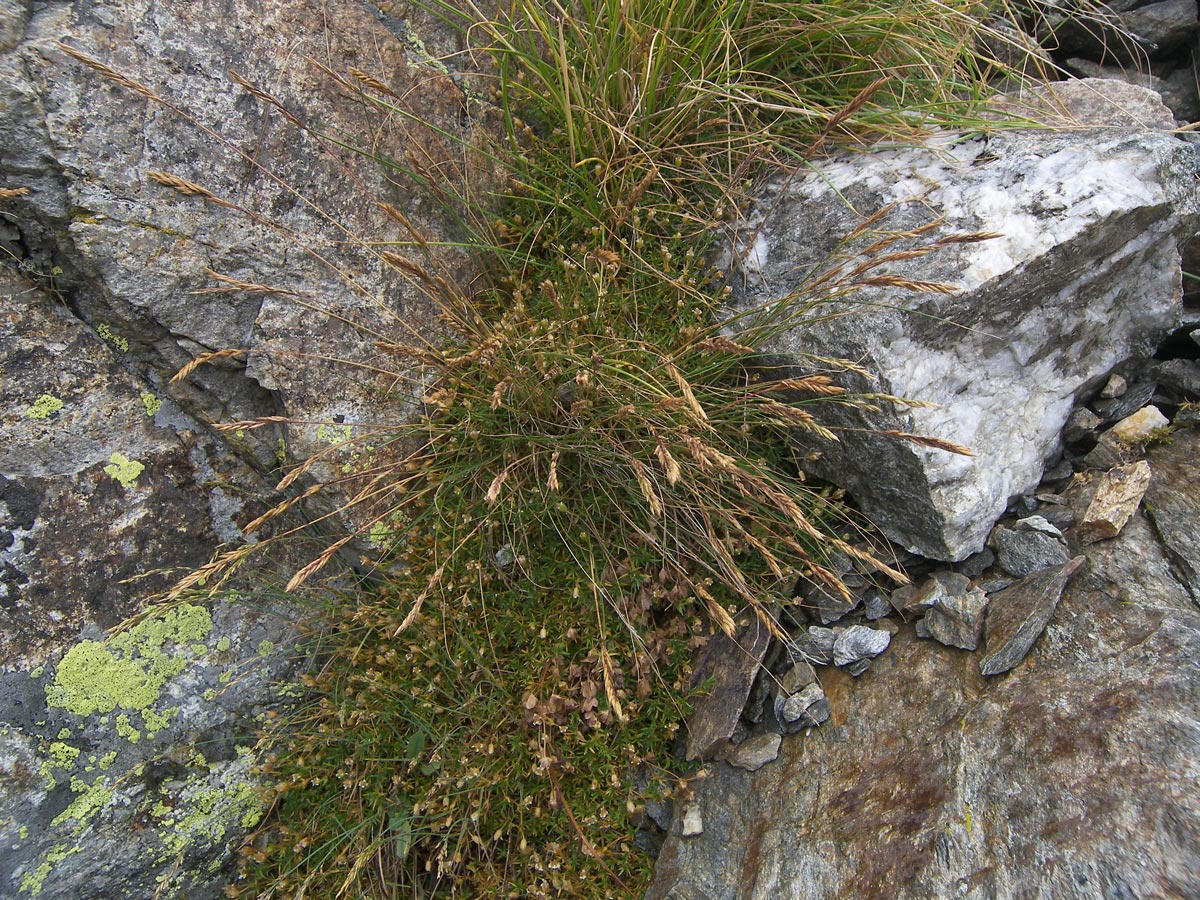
(859,642)
(731,663)
(1140,426)
(876,605)
(134,255)
(1022,552)
(1116,386)
(1181,377)
(977,563)
(1081,425)
(1017,616)
(1174,510)
(1073,777)
(1003,369)
(1116,499)
(1108,452)
(825,604)
(1135,397)
(1037,524)
(755,752)
(804,648)
(800,702)
(1128,36)
(692,824)
(1178,90)
(957,620)
(824,639)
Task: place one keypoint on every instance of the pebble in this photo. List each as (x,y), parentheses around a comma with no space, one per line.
(958,620)
(755,752)
(859,642)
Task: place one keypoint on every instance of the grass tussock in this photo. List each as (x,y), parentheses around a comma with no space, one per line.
(602,473)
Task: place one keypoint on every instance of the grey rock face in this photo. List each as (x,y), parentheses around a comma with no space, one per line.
(1072,777)
(755,752)
(1084,275)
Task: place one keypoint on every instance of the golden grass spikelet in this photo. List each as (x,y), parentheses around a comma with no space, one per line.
(821,385)
(969,238)
(908,284)
(188,188)
(926,441)
(406,265)
(279,509)
(799,418)
(415,609)
(372,82)
(719,614)
(319,563)
(232,284)
(250,424)
(552,483)
(493,491)
(668,462)
(610,690)
(721,344)
(112,74)
(202,359)
(223,563)
(6,193)
(686,390)
(647,489)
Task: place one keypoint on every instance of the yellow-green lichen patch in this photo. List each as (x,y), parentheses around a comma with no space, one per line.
(265,648)
(223,645)
(44,407)
(92,798)
(106,760)
(127,731)
(203,813)
(151,403)
(123,469)
(37,672)
(156,722)
(129,670)
(33,881)
(63,756)
(111,338)
(64,733)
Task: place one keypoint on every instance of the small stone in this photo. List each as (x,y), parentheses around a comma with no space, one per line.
(798,677)
(1018,615)
(824,639)
(859,642)
(876,605)
(1081,425)
(1060,471)
(805,709)
(803,648)
(732,663)
(693,823)
(858,667)
(1140,426)
(1116,387)
(1038,524)
(1061,517)
(1120,492)
(754,753)
(1107,453)
(931,592)
(825,604)
(958,621)
(976,564)
(1022,553)
(923,630)
(1135,397)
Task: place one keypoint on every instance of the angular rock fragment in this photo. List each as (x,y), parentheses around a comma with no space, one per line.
(801,702)
(1140,426)
(732,664)
(859,642)
(1176,513)
(1018,615)
(958,620)
(1022,552)
(1120,492)
(755,752)
(1023,333)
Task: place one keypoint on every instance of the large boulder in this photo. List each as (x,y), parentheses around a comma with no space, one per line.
(1071,776)
(1082,273)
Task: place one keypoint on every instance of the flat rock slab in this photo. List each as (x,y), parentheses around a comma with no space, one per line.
(1017,616)
(731,664)
(1073,777)
(1120,492)
(1084,273)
